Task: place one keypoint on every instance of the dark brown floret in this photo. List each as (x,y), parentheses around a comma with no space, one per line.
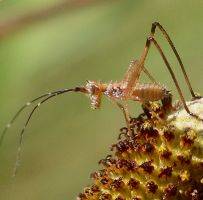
(135,146)
(122,146)
(106,161)
(170,190)
(186,141)
(120,163)
(150,133)
(165,171)
(200,165)
(117,184)
(151,187)
(128,165)
(131,165)
(95,188)
(165,154)
(184,159)
(82,196)
(133,184)
(137,122)
(148,147)
(120,198)
(99,174)
(147,166)
(104,181)
(169,135)
(136,198)
(105,196)
(193,194)
(88,191)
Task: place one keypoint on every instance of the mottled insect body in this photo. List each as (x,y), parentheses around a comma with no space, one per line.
(115,90)
(143,92)
(95,91)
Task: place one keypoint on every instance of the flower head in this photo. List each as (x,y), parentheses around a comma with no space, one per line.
(163,159)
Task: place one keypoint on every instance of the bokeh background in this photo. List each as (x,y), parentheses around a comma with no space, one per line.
(47,45)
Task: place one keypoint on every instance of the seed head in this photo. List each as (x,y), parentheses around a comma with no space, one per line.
(162,160)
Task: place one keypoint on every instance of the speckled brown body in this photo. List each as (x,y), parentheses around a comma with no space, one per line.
(149,92)
(143,92)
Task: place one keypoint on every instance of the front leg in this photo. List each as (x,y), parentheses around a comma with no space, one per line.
(125,111)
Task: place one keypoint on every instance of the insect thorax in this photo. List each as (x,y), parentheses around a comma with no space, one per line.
(115,90)
(95,90)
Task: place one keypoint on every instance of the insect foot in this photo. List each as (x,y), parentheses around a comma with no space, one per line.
(162,160)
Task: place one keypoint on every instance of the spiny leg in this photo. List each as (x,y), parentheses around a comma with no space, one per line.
(142,60)
(149,40)
(125,113)
(163,31)
(134,71)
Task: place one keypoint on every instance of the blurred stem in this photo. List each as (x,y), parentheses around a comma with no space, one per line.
(12,25)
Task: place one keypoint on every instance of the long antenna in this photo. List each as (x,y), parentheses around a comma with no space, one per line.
(51,95)
(30,103)
(46,97)
(18,113)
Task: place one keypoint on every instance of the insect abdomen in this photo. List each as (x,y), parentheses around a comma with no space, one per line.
(149,92)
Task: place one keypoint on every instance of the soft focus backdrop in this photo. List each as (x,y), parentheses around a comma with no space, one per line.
(61,48)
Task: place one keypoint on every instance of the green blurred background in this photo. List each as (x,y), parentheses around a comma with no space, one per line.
(65,138)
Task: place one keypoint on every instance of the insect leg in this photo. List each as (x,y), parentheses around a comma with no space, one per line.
(125,113)
(151,39)
(163,31)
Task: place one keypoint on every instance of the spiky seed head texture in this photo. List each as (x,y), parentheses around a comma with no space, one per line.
(162,160)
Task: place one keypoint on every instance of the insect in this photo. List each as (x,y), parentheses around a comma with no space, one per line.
(128,89)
